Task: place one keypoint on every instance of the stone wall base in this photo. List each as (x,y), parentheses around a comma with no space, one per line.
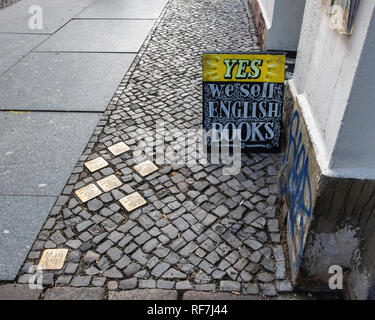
(330,219)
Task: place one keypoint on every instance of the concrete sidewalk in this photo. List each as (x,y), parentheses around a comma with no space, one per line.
(55,84)
(7,3)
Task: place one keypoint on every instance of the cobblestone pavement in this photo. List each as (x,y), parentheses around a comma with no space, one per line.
(199,229)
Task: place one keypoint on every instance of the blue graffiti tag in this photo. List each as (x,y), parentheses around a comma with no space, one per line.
(297,185)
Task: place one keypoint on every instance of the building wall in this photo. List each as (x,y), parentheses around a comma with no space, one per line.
(327,182)
(283,20)
(326,65)
(267,7)
(357,132)
(286,25)
(330,219)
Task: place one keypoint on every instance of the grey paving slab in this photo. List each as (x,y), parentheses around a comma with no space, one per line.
(6,3)
(18,292)
(55,13)
(74,294)
(63,81)
(124,9)
(20,221)
(197,295)
(15,46)
(143,294)
(35,158)
(99,36)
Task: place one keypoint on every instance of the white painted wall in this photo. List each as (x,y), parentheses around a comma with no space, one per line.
(283,21)
(327,64)
(355,145)
(286,25)
(267,7)
(309,33)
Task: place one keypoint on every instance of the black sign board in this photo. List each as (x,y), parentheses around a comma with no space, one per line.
(243,97)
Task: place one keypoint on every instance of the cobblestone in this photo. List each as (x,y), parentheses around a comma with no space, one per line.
(81,281)
(230,286)
(284,287)
(71,268)
(113,273)
(147,284)
(268,289)
(128,284)
(165,284)
(184,285)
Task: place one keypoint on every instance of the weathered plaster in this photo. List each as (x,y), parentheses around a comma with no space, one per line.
(326,249)
(332,79)
(299,179)
(334,220)
(283,19)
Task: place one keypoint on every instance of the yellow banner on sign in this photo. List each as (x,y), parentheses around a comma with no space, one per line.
(218,67)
